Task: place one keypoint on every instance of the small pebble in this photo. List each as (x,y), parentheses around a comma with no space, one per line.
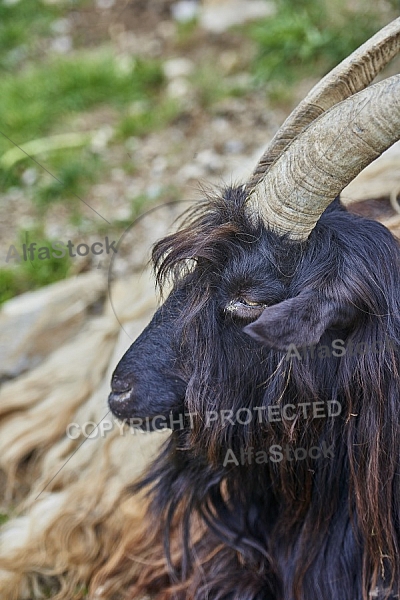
(233,147)
(185,11)
(29,176)
(178,88)
(178,67)
(105,4)
(61,44)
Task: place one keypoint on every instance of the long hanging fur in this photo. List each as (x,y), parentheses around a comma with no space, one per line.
(324,527)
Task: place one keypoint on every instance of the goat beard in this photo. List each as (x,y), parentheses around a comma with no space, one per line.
(209,524)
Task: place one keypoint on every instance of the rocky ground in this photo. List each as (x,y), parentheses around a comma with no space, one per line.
(208,143)
(222,120)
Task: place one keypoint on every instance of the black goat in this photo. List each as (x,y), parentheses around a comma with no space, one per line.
(262,492)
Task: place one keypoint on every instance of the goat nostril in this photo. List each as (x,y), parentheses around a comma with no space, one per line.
(121,393)
(120,386)
(120,404)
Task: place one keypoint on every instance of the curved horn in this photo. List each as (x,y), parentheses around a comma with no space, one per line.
(326,157)
(352,75)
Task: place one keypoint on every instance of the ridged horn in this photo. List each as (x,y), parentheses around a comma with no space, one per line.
(352,75)
(326,157)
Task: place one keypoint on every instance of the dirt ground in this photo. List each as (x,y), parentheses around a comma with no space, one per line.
(204,145)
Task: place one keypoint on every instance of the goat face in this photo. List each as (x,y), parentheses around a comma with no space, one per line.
(219,343)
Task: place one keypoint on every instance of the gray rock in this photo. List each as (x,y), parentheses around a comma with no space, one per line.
(185,11)
(217,18)
(36,323)
(178,67)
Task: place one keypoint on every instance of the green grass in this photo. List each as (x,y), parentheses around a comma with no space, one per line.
(309,37)
(211,85)
(22,276)
(43,93)
(75,170)
(42,99)
(35,101)
(185,32)
(22,26)
(3,518)
(147,116)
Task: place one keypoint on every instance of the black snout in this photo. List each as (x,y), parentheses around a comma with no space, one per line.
(146,385)
(121,398)
(120,385)
(121,404)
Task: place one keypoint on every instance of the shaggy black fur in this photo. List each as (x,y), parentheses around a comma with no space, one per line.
(276,528)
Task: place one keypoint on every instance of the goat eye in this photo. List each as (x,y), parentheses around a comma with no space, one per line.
(249,303)
(245,309)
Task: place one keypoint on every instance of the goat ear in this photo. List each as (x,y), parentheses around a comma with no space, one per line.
(301,321)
